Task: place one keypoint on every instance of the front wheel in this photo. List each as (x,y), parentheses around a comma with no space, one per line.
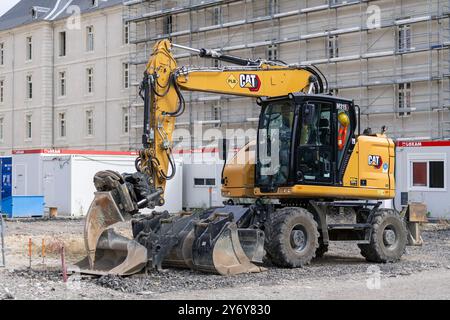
(292,237)
(388,240)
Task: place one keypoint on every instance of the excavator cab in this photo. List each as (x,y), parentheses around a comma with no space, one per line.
(301,140)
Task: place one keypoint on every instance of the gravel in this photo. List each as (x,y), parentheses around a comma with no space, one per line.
(342,262)
(176,280)
(39,275)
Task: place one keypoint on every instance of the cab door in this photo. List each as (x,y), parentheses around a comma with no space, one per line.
(315,152)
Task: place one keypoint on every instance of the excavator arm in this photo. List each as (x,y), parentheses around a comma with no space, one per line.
(211,241)
(162,89)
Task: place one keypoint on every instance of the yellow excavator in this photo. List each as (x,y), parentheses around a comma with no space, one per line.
(310,161)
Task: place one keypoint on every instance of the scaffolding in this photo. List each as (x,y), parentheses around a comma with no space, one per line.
(406,45)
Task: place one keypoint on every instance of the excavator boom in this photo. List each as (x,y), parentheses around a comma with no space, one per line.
(164,82)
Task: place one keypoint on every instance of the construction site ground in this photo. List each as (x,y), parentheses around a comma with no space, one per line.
(423,272)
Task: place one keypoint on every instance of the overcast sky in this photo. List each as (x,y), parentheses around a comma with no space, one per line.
(5,5)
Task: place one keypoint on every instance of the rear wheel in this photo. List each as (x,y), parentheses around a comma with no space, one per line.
(292,237)
(389,238)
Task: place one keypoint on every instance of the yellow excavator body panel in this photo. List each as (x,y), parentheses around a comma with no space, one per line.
(271,82)
(239,173)
(372,164)
(325,192)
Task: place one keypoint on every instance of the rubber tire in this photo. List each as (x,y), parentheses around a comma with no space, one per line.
(376,251)
(277,237)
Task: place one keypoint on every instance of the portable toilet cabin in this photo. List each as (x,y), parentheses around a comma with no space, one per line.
(6,175)
(14,205)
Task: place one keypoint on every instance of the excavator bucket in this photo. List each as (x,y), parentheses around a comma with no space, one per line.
(109,252)
(117,255)
(218,249)
(210,242)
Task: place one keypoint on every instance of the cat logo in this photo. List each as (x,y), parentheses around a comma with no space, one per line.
(375,161)
(232,81)
(250,81)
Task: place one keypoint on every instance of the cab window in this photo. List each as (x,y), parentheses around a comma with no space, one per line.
(275,139)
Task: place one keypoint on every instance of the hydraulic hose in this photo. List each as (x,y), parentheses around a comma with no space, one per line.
(181,101)
(172,166)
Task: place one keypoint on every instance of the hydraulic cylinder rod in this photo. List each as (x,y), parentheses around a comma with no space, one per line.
(213,54)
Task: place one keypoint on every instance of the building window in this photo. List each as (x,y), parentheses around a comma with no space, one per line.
(90,80)
(427,173)
(30,87)
(126,33)
(62,125)
(273,7)
(28,126)
(199,182)
(216,114)
(436,174)
(272,52)
(332,47)
(404,38)
(202,182)
(2,54)
(419,174)
(217,16)
(404,98)
(126,75)
(89,123)
(168,25)
(62,44)
(90,38)
(125,120)
(34,13)
(2,122)
(2,91)
(29,49)
(62,84)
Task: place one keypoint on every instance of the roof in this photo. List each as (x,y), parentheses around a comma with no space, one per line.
(418,144)
(48,10)
(75,152)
